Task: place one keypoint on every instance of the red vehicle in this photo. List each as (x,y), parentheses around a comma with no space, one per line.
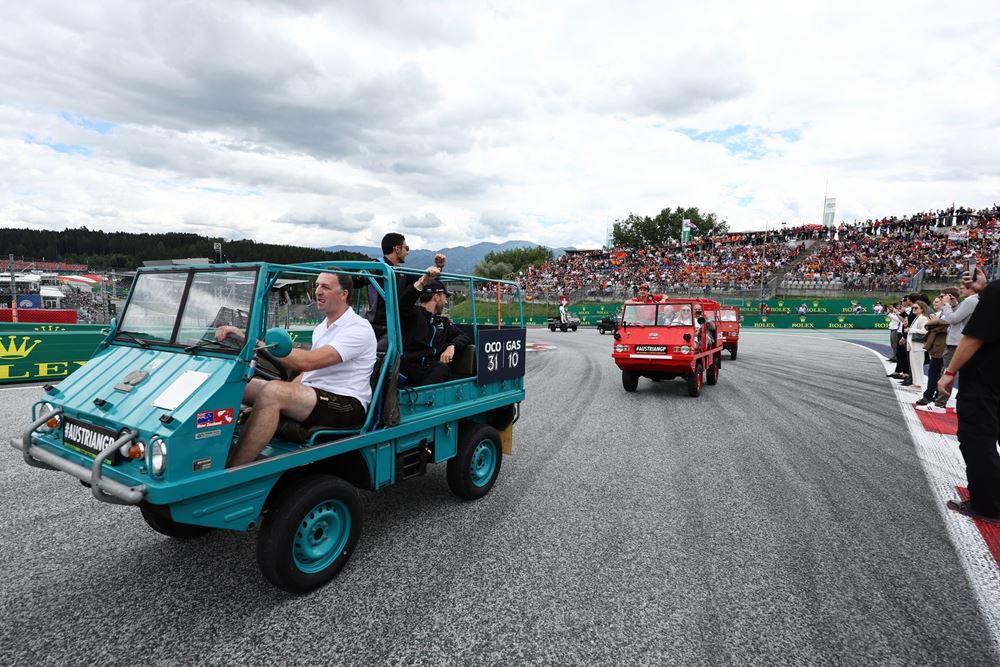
(728,327)
(669,339)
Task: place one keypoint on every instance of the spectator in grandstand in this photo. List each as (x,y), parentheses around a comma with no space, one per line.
(916,334)
(978,358)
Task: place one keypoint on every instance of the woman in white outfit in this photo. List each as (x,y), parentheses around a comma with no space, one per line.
(916,348)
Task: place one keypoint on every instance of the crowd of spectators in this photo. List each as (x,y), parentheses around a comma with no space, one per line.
(875,255)
(728,263)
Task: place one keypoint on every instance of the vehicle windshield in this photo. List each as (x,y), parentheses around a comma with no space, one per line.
(727,315)
(661,315)
(214,298)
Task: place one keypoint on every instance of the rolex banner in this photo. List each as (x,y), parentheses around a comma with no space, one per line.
(829,211)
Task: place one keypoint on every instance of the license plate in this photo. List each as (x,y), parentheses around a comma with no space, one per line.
(87,438)
(651,348)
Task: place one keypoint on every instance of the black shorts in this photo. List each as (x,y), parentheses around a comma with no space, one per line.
(336,411)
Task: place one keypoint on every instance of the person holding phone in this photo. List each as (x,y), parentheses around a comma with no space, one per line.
(978,404)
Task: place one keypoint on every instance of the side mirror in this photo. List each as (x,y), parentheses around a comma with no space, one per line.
(278,341)
(618,336)
(701,320)
(113,323)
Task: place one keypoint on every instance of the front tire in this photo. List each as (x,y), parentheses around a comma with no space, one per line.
(562,327)
(475,467)
(574,327)
(694,382)
(310,532)
(158,518)
(600,330)
(630,381)
(732,353)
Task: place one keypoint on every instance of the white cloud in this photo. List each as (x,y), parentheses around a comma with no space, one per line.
(303,122)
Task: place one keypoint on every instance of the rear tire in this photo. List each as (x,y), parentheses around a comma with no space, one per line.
(309,533)
(600,330)
(630,381)
(712,374)
(574,327)
(158,518)
(694,382)
(475,467)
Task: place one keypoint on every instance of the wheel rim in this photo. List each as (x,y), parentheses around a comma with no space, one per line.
(321,536)
(484,463)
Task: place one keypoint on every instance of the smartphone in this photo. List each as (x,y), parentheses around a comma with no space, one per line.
(972,268)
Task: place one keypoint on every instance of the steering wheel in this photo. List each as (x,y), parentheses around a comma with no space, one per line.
(266,373)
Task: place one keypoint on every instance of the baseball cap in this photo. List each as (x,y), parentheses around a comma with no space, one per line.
(436,287)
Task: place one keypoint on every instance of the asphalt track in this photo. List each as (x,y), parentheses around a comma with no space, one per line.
(780,518)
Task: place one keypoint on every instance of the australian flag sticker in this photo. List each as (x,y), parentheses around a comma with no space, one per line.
(213,418)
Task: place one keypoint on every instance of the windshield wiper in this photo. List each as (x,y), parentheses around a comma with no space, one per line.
(143,344)
(210,343)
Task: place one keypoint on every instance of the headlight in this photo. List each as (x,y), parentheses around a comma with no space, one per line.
(55,421)
(157,456)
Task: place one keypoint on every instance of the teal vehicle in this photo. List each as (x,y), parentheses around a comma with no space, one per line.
(149,421)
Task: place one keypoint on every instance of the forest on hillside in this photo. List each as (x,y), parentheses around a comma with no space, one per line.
(125,251)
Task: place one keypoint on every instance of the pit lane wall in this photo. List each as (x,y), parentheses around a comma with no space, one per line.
(50,352)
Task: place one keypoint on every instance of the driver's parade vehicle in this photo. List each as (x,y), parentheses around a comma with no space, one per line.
(668,339)
(728,328)
(149,421)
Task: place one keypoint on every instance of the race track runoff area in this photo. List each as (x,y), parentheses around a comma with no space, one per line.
(792,514)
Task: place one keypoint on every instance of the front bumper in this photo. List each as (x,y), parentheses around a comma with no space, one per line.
(104,489)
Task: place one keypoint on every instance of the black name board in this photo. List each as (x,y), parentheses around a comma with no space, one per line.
(500,355)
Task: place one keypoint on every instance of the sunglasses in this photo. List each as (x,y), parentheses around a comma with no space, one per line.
(404,247)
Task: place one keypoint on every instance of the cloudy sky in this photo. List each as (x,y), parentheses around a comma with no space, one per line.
(320,122)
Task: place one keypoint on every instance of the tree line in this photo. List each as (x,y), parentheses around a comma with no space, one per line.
(125,251)
(643,231)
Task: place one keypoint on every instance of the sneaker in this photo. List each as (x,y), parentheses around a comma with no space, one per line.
(936,409)
(965,508)
(922,401)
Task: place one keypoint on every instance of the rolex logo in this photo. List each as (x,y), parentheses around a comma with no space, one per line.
(802,318)
(763,319)
(840,319)
(14,351)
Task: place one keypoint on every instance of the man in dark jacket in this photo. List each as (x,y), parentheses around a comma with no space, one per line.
(394,252)
(430,340)
(978,358)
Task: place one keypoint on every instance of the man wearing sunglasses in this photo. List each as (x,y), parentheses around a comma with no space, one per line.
(394,252)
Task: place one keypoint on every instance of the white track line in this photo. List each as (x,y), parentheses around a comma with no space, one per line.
(945,469)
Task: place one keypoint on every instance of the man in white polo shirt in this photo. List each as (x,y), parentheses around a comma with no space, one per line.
(334,387)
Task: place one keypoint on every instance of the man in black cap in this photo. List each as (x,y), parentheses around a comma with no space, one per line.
(430,340)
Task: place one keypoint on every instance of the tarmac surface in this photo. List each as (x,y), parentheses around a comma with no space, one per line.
(781,518)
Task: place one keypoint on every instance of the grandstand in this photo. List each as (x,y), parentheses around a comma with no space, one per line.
(891,255)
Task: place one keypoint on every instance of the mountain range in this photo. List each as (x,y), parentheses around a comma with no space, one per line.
(461,259)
